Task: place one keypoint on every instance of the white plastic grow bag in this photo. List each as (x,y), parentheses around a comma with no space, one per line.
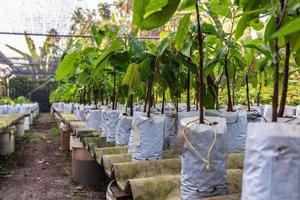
(147,136)
(204,155)
(289,111)
(123,130)
(237,130)
(67,108)
(272,162)
(298,111)
(93,119)
(112,118)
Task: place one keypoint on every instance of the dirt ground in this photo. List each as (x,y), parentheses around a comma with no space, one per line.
(38,170)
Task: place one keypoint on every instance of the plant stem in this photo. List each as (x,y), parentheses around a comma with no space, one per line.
(84,103)
(229,102)
(101,96)
(89,96)
(146,97)
(258,94)
(200,71)
(233,87)
(131,105)
(247,92)
(188,97)
(114,91)
(285,79)
(95,95)
(149,96)
(276,61)
(163,103)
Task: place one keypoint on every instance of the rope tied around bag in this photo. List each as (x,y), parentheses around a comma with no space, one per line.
(207,160)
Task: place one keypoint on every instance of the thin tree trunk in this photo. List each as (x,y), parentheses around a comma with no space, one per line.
(188,98)
(233,87)
(84,102)
(285,79)
(149,96)
(89,96)
(95,95)
(276,64)
(102,97)
(247,92)
(163,103)
(229,102)
(131,105)
(258,95)
(200,76)
(146,98)
(114,91)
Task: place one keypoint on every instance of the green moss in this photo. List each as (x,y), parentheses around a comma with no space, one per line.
(156,188)
(99,152)
(55,131)
(235,161)
(142,169)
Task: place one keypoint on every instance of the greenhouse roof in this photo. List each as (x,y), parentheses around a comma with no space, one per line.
(34,17)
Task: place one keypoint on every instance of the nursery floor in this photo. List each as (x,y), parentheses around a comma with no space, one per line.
(38,170)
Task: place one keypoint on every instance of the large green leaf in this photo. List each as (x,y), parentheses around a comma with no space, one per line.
(132,78)
(154,5)
(261,50)
(289,28)
(67,66)
(161,16)
(138,11)
(116,45)
(145,69)
(251,10)
(186,4)
(182,31)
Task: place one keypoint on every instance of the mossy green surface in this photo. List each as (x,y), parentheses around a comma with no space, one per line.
(109,160)
(93,142)
(142,169)
(156,188)
(99,152)
(235,161)
(167,187)
(6,120)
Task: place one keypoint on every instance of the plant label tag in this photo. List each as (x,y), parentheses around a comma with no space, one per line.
(137,135)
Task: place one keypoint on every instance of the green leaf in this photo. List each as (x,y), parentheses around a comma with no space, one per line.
(31,47)
(243,23)
(98,35)
(182,31)
(145,69)
(116,45)
(186,4)
(162,47)
(154,5)
(289,28)
(261,50)
(132,78)
(138,11)
(161,16)
(67,65)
